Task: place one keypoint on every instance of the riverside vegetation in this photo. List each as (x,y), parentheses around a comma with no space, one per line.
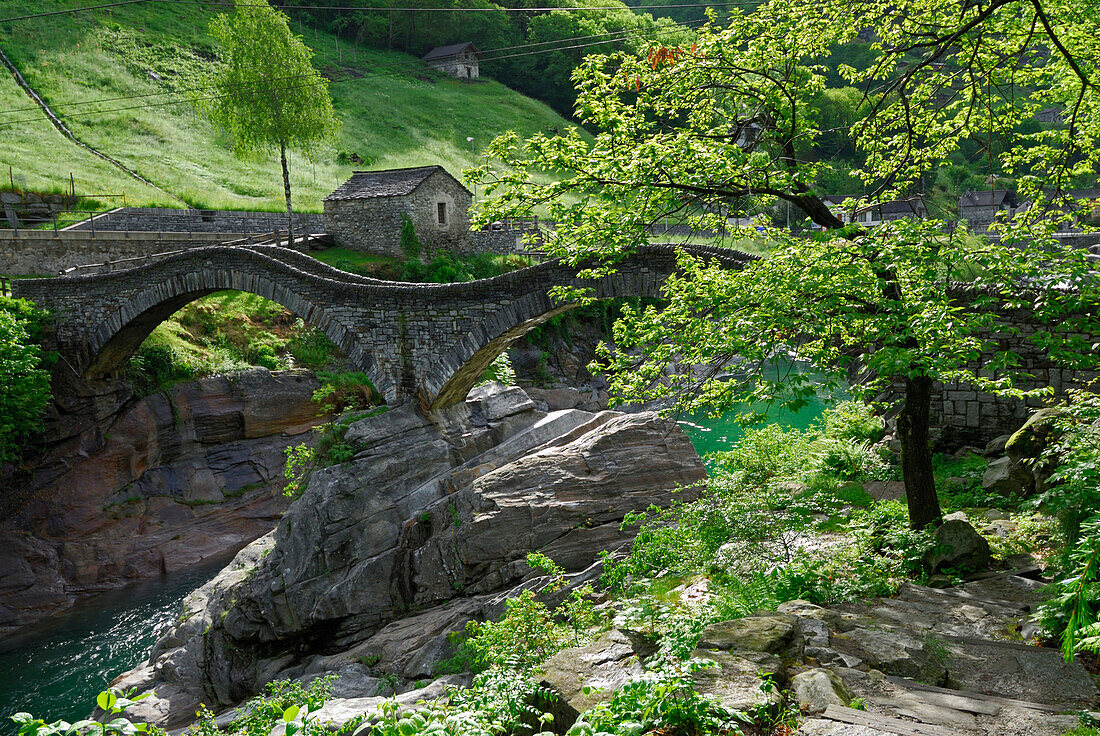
(784,516)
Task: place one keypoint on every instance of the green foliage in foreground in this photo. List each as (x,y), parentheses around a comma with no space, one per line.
(111,702)
(1072,490)
(24,371)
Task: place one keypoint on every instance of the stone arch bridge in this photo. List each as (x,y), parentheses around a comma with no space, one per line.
(425,341)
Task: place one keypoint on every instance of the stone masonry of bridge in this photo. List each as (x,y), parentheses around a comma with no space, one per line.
(425,341)
(430,342)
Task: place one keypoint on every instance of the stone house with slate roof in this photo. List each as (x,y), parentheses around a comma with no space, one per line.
(365,212)
(981,208)
(460,60)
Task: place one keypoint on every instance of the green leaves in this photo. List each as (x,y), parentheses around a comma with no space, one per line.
(267,92)
(26,380)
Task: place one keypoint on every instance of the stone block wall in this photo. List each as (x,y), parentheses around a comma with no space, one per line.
(163,219)
(969,416)
(20,208)
(45,253)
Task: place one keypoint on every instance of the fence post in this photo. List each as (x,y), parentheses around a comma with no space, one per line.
(91,221)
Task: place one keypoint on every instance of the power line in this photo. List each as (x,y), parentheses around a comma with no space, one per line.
(346,78)
(607,36)
(356,8)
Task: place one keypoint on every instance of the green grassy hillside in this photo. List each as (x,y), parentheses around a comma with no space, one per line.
(396,112)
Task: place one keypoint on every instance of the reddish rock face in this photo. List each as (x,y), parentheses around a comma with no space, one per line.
(178,476)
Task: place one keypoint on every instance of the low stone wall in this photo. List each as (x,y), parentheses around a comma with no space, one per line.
(163,219)
(44,252)
(501,242)
(969,416)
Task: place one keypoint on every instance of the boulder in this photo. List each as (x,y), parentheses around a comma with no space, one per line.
(773,633)
(996,446)
(885,490)
(1029,441)
(957,546)
(737,682)
(583,676)
(1007,477)
(895,652)
(816,689)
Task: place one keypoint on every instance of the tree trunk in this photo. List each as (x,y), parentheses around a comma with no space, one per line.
(916,454)
(286,190)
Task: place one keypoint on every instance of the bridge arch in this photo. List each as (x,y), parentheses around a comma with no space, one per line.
(467,360)
(115,340)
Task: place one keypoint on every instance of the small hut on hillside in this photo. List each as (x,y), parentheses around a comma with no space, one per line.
(460,60)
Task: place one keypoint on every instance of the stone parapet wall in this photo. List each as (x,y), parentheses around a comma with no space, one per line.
(163,219)
(45,253)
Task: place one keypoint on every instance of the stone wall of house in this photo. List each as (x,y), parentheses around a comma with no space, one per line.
(979,218)
(462,66)
(163,219)
(373,224)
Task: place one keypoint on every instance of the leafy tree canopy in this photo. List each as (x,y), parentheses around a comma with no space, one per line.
(700,133)
(266,93)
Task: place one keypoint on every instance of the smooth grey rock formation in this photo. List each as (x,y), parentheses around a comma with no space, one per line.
(821,727)
(737,681)
(958,546)
(430,510)
(885,490)
(1007,477)
(895,652)
(996,446)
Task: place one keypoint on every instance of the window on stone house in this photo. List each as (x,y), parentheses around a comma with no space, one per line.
(441,213)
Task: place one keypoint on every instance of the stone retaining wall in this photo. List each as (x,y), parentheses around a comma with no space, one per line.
(45,253)
(163,219)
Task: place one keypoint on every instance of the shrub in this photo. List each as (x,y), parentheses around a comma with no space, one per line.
(26,378)
(410,243)
(1072,489)
(500,370)
(1073,600)
(661,701)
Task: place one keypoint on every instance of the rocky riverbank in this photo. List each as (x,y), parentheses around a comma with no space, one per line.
(169,480)
(427,527)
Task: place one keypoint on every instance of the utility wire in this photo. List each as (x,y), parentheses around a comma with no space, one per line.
(346,78)
(608,37)
(356,8)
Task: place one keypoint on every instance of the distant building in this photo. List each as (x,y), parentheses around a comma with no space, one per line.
(875,214)
(460,60)
(366,212)
(980,209)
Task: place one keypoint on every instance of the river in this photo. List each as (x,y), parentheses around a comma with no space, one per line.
(57,670)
